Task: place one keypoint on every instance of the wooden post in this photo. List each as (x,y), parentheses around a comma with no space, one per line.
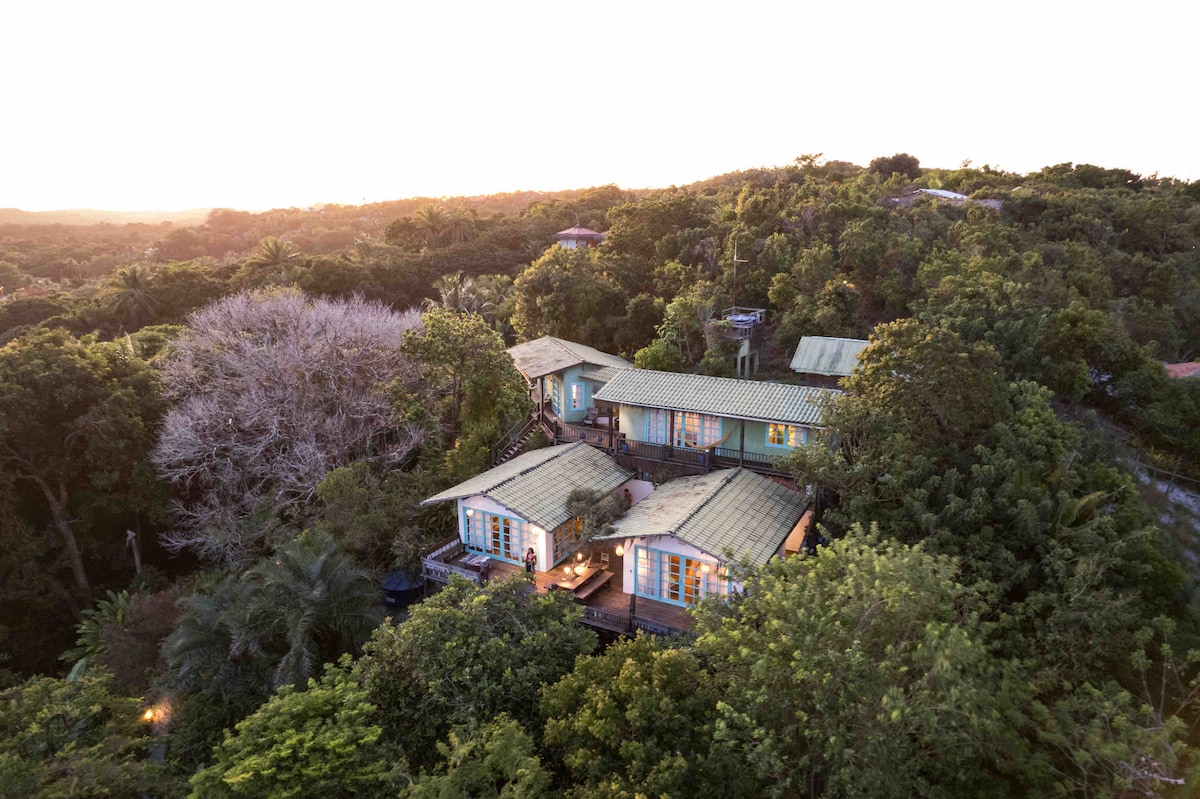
(670,432)
(742,445)
(612,433)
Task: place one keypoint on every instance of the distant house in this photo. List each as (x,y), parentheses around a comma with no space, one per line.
(954,198)
(522,505)
(823,361)
(673,546)
(697,422)
(562,374)
(575,237)
(1183,370)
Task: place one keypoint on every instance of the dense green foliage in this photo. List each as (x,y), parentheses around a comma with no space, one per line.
(1014,623)
(316,742)
(466,655)
(74,740)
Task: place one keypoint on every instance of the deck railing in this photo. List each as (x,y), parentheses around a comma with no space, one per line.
(657,628)
(434,565)
(618,622)
(600,437)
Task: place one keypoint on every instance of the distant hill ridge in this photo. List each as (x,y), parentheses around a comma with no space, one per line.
(87,216)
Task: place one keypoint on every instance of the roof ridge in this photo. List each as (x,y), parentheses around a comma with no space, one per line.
(721,485)
(564,345)
(566,448)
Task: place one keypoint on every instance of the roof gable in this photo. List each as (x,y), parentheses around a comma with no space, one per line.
(578,232)
(547,355)
(732,510)
(720,396)
(535,485)
(824,355)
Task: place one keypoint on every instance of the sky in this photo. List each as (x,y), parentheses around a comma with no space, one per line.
(257,104)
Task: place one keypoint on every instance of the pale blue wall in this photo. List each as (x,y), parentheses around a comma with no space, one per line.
(633,425)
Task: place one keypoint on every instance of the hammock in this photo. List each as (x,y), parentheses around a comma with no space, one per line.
(716,443)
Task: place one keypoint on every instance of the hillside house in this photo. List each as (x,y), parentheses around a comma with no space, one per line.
(690,424)
(673,546)
(522,505)
(576,237)
(561,375)
(822,361)
(668,551)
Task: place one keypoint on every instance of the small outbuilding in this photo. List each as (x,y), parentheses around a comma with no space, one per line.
(822,361)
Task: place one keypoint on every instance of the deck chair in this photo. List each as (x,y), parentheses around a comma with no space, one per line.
(590,417)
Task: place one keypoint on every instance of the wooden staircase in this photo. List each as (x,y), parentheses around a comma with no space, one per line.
(512,444)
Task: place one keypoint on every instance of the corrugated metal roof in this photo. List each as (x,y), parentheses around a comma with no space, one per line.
(732,510)
(1183,370)
(547,355)
(578,232)
(945,195)
(720,396)
(535,485)
(824,355)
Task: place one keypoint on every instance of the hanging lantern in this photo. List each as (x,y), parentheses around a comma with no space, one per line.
(620,550)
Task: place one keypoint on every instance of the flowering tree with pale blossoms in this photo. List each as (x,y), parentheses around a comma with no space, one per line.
(271,390)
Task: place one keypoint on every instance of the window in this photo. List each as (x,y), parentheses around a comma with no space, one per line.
(576,396)
(566,538)
(498,536)
(696,429)
(785,435)
(675,578)
(691,429)
(656,426)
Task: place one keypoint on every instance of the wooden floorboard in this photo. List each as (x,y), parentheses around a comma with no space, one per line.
(610,600)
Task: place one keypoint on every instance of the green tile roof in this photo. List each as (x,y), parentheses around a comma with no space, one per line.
(547,355)
(535,485)
(602,374)
(720,396)
(732,510)
(823,355)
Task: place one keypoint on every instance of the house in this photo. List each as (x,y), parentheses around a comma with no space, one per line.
(575,237)
(823,361)
(1183,370)
(675,545)
(668,551)
(953,197)
(693,423)
(557,373)
(522,505)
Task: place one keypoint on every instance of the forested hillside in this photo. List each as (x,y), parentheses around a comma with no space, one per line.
(214,439)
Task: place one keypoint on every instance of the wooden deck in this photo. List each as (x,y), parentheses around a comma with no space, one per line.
(610,608)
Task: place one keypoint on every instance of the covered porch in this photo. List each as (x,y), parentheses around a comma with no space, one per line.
(609,608)
(605,605)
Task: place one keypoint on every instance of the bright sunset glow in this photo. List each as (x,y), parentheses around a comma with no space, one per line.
(253,105)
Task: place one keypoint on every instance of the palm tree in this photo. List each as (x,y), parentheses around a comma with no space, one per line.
(130,295)
(210,649)
(273,252)
(460,225)
(313,601)
(453,292)
(431,222)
